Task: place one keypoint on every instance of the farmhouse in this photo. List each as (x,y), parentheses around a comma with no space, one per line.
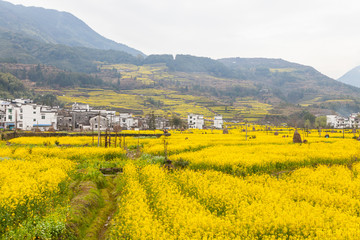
(24,115)
(195,121)
(335,121)
(218,122)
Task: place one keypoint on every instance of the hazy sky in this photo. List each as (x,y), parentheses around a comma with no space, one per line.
(320,33)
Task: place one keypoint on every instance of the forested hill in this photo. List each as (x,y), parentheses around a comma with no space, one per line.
(56,50)
(17,48)
(51,26)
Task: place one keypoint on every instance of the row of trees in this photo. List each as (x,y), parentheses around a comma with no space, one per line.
(301,119)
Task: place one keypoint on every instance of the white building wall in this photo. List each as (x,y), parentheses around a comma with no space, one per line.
(32,115)
(218,122)
(195,121)
(80,107)
(331,120)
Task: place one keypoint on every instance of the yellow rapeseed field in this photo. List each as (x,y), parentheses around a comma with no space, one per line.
(252,183)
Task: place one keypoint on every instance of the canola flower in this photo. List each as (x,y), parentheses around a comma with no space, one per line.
(320,203)
(73,153)
(202,202)
(249,158)
(27,180)
(134,219)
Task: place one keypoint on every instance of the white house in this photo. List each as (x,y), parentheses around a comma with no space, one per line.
(331,120)
(27,116)
(196,121)
(22,101)
(3,106)
(354,120)
(80,107)
(30,116)
(218,122)
(126,120)
(336,121)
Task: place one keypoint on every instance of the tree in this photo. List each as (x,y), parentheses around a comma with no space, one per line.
(176,122)
(320,122)
(118,84)
(152,125)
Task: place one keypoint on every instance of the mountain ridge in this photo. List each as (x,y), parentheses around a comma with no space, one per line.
(276,82)
(52,26)
(352,77)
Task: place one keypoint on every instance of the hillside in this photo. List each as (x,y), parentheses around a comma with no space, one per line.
(11,87)
(51,26)
(291,81)
(17,48)
(352,77)
(47,60)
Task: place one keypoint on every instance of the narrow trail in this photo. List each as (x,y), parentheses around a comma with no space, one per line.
(100,224)
(110,202)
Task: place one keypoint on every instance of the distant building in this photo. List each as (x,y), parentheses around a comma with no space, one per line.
(24,115)
(80,107)
(195,121)
(331,120)
(336,121)
(126,121)
(94,123)
(218,122)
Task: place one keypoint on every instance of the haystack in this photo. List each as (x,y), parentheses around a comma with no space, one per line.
(297,137)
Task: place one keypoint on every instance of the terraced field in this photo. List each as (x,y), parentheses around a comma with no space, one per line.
(165,102)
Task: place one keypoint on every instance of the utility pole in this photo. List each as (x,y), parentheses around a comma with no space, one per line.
(246,130)
(15,120)
(73,121)
(92,134)
(99,130)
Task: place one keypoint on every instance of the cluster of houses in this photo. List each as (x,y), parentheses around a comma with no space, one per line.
(25,115)
(197,121)
(335,121)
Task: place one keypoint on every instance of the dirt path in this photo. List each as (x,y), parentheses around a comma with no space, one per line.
(110,202)
(101,223)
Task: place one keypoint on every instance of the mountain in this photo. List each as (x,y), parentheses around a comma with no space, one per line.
(352,77)
(17,48)
(295,81)
(55,50)
(51,26)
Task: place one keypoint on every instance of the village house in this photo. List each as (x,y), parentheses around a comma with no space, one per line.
(126,121)
(99,122)
(218,122)
(336,121)
(80,107)
(195,121)
(24,115)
